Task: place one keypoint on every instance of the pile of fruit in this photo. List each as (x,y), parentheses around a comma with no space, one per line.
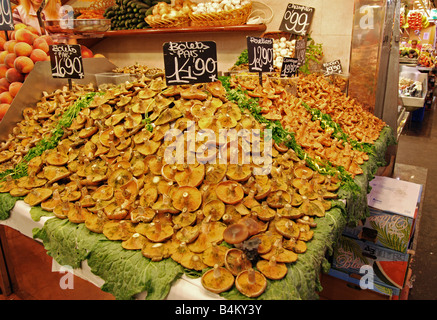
(130,14)
(18,55)
(416,20)
(426,60)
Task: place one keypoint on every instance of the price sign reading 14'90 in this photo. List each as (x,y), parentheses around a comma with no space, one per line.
(190,62)
(66,61)
(260,54)
(297,19)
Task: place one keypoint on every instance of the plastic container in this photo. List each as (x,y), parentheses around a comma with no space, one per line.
(112,78)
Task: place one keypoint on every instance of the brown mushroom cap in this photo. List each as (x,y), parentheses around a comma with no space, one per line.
(217,280)
(187,199)
(229,192)
(272,269)
(215,209)
(38,195)
(251,283)
(236,261)
(236,233)
(135,242)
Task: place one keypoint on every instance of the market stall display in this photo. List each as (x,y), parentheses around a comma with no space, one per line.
(104,169)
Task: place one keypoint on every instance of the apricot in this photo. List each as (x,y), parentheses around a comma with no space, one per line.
(12,75)
(38,55)
(41,43)
(2,42)
(9,60)
(25,35)
(14,87)
(4,84)
(23,49)
(23,64)
(9,45)
(5,97)
(3,69)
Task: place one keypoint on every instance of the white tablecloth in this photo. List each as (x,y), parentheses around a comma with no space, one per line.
(183,289)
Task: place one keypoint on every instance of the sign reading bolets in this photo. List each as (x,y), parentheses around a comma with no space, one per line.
(190,62)
(66,61)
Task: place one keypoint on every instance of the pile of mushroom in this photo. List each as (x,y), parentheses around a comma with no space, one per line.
(110,172)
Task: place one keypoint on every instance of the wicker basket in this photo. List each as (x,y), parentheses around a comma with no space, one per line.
(179,22)
(223,18)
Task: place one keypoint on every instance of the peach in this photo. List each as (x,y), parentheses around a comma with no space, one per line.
(20,26)
(38,55)
(86,53)
(99,55)
(24,35)
(2,42)
(32,29)
(4,84)
(3,109)
(9,45)
(5,97)
(9,59)
(23,64)
(41,43)
(2,56)
(3,69)
(47,38)
(23,49)
(12,75)
(14,87)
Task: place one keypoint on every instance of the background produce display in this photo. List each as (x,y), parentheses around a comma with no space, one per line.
(18,56)
(130,14)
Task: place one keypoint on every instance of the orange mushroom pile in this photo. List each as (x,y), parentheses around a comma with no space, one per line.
(110,172)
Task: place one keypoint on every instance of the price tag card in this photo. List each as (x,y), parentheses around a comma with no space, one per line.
(6,21)
(290,67)
(66,61)
(297,19)
(260,52)
(333,67)
(190,62)
(300,51)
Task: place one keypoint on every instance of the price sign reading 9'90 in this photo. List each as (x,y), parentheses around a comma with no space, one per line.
(6,22)
(66,61)
(190,62)
(297,19)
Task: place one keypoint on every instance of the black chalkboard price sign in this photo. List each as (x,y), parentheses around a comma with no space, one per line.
(297,19)
(300,51)
(66,61)
(332,67)
(260,54)
(290,67)
(6,21)
(190,62)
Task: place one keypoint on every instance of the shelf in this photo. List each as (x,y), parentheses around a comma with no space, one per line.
(150,31)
